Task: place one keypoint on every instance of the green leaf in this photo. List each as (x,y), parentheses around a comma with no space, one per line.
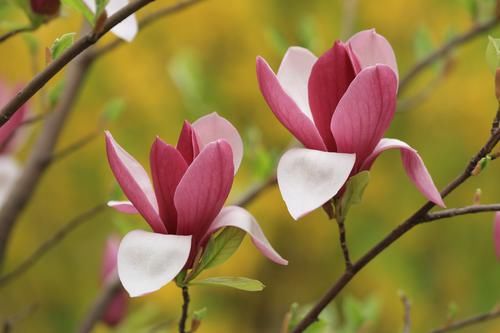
(55,93)
(423,46)
(219,249)
(493,53)
(326,322)
(240,283)
(357,313)
(61,44)
(32,44)
(100,6)
(81,8)
(200,314)
(113,109)
(355,187)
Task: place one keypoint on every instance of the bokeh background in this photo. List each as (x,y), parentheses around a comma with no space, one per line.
(202,60)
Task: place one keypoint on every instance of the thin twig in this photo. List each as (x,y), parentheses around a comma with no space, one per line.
(256,190)
(185,310)
(455,326)
(10,323)
(447,213)
(35,119)
(76,146)
(407,313)
(445,49)
(55,239)
(418,217)
(14,32)
(100,305)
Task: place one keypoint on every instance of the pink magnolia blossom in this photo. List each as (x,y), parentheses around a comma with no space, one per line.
(117,308)
(338,106)
(183,205)
(10,138)
(496,234)
(126,29)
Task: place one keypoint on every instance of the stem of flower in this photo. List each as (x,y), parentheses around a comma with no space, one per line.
(185,308)
(340,218)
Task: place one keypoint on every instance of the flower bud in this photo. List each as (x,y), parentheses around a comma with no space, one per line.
(45,7)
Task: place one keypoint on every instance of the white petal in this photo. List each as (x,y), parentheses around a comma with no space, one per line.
(9,172)
(126,29)
(123,207)
(147,261)
(308,178)
(293,76)
(213,127)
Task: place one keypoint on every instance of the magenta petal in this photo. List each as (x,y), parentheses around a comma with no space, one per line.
(116,310)
(213,127)
(371,48)
(286,109)
(134,182)
(187,144)
(167,166)
(204,188)
(109,260)
(365,111)
(414,167)
(234,216)
(125,207)
(330,78)
(496,234)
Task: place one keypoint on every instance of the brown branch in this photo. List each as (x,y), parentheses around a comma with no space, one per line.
(447,213)
(100,305)
(444,50)
(55,239)
(418,217)
(71,53)
(407,313)
(455,326)
(14,32)
(256,190)
(10,323)
(185,309)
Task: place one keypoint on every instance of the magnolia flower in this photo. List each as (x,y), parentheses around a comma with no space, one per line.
(117,308)
(183,206)
(496,234)
(10,139)
(126,29)
(45,7)
(338,106)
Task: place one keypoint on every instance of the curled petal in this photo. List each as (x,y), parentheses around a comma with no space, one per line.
(187,144)
(123,207)
(204,188)
(309,178)
(147,261)
(286,109)
(496,234)
(213,127)
(414,167)
(293,75)
(134,182)
(9,172)
(234,216)
(365,111)
(330,78)
(371,49)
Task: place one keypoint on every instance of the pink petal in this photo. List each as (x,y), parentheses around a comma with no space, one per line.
(126,29)
(414,167)
(234,216)
(147,261)
(496,234)
(365,112)
(330,78)
(123,207)
(372,49)
(204,188)
(293,75)
(134,182)
(116,310)
(110,256)
(286,109)
(213,127)
(309,178)
(187,144)
(167,166)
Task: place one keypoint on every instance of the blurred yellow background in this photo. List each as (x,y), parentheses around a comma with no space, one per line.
(451,261)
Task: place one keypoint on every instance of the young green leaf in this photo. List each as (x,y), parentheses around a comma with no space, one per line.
(100,6)
(200,314)
(81,8)
(493,53)
(113,109)
(219,249)
(240,283)
(61,44)
(355,188)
